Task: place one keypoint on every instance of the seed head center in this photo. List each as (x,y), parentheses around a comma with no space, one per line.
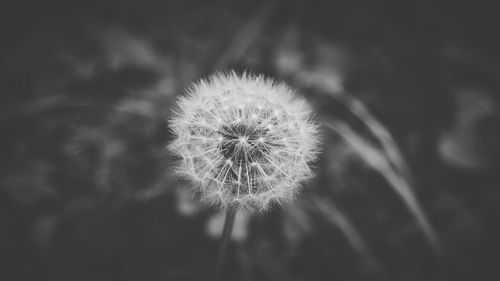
(239,143)
(243,140)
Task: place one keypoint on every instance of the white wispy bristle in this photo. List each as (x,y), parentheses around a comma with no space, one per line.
(244,140)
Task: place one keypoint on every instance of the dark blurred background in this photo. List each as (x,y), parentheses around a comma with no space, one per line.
(406,188)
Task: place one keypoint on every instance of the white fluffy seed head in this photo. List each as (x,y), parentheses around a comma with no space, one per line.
(244,140)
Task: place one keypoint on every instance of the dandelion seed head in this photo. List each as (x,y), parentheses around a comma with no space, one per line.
(244,140)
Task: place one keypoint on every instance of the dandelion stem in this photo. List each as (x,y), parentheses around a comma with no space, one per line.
(226,235)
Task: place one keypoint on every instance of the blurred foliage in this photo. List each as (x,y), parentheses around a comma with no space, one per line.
(407,183)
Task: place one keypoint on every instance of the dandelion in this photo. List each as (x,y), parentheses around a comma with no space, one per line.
(244,141)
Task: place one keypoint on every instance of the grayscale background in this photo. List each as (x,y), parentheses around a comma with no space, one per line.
(407,182)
